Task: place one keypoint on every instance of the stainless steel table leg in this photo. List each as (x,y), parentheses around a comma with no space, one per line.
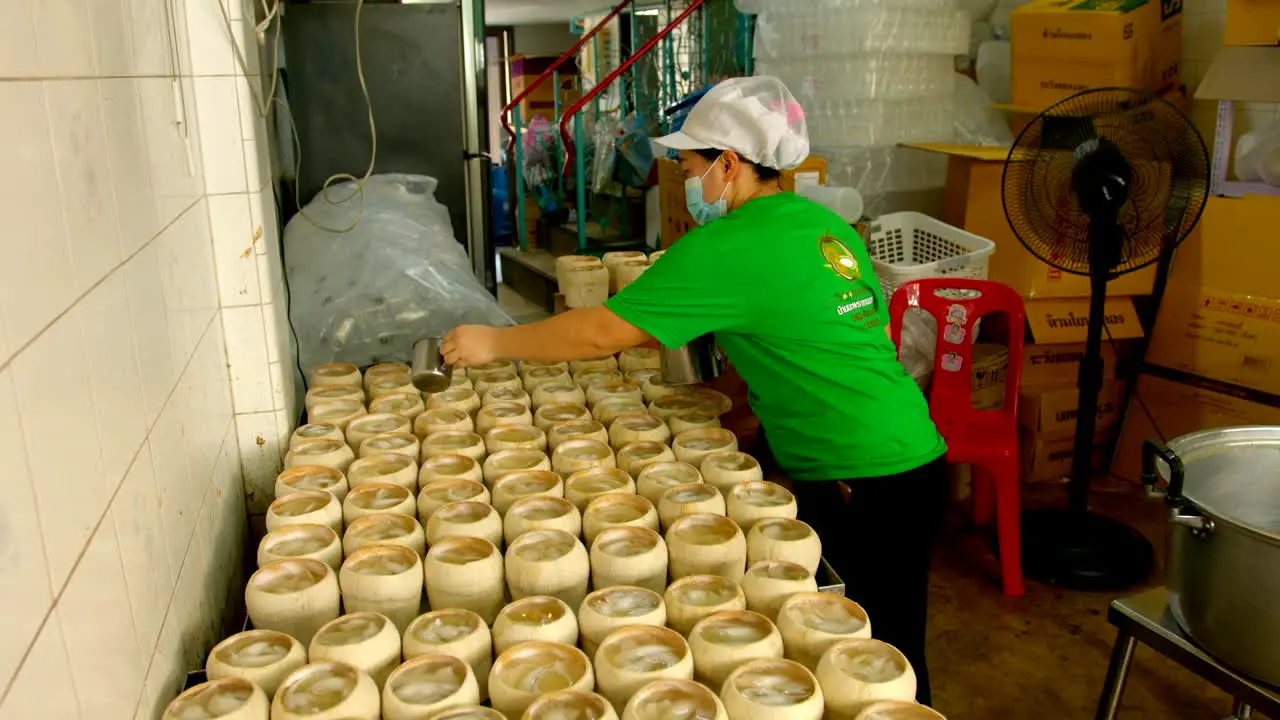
(1117,674)
(1242,711)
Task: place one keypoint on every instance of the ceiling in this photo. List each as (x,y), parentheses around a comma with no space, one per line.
(524,12)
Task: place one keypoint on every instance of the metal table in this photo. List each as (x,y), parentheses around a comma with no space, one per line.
(1146,619)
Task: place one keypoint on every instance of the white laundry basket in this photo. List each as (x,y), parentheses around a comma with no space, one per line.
(910,246)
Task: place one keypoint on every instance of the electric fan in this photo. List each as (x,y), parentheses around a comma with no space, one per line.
(1102,183)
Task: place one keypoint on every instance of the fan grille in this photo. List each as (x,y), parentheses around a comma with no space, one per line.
(1170,166)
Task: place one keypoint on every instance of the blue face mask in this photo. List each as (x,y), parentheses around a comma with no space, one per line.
(702,211)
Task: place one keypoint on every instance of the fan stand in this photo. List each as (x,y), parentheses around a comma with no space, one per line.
(1074,547)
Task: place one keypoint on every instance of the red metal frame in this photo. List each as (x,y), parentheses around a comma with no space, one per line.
(549,72)
(568,115)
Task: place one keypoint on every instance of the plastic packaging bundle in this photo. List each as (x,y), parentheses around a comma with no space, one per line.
(367,295)
(860,123)
(837,27)
(976,122)
(863,77)
(995,70)
(1258,155)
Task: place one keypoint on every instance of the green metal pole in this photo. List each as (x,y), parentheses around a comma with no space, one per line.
(704,12)
(669,62)
(518,174)
(580,171)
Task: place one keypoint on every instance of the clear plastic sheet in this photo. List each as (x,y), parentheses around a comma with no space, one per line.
(788,29)
(862,76)
(859,123)
(367,295)
(994,69)
(1000,18)
(1258,155)
(881,169)
(976,122)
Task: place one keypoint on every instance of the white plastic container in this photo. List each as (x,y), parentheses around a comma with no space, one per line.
(364,640)
(385,579)
(295,597)
(465,573)
(908,246)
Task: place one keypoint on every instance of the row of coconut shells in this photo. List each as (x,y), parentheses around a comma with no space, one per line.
(587,281)
(443,666)
(298,536)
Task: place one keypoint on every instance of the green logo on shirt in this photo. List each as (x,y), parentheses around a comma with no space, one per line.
(840,259)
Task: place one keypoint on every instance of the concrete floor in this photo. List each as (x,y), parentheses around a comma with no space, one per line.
(1045,655)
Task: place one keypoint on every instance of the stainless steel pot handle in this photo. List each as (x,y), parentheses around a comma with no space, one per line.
(1153,450)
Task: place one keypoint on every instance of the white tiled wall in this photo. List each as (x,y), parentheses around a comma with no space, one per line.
(141,304)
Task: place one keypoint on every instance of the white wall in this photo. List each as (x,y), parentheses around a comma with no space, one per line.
(139,258)
(543,39)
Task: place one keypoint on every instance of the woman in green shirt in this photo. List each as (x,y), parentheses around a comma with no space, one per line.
(788,289)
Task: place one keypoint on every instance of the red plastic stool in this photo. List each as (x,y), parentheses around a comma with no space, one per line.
(986,439)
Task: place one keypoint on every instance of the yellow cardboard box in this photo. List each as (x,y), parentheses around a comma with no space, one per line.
(1052,410)
(974,201)
(1220,316)
(1182,405)
(990,375)
(1252,22)
(1061,47)
(1059,363)
(1048,457)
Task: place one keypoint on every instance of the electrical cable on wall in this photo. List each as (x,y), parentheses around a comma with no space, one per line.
(275,12)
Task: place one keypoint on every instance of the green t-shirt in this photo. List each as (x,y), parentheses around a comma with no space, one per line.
(789,291)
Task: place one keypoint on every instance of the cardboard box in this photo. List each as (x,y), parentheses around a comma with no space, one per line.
(525,71)
(1220,317)
(974,201)
(990,375)
(676,220)
(1059,363)
(1053,409)
(1047,458)
(1182,405)
(1252,22)
(1067,321)
(1061,47)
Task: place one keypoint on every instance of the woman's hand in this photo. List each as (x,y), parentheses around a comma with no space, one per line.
(471,345)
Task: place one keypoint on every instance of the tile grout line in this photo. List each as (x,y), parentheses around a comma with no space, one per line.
(57,597)
(89,291)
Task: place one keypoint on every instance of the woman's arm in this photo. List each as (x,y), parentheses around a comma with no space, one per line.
(574,335)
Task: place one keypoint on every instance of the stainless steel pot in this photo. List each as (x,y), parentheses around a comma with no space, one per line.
(700,361)
(1224,551)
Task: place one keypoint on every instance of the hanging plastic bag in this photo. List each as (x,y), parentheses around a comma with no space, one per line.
(367,295)
(635,154)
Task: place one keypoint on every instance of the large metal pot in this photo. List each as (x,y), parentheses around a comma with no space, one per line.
(1224,552)
(700,361)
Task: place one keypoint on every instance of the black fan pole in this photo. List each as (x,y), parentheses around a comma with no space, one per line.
(1090,387)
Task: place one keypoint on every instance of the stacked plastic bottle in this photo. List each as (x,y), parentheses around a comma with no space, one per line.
(871,74)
